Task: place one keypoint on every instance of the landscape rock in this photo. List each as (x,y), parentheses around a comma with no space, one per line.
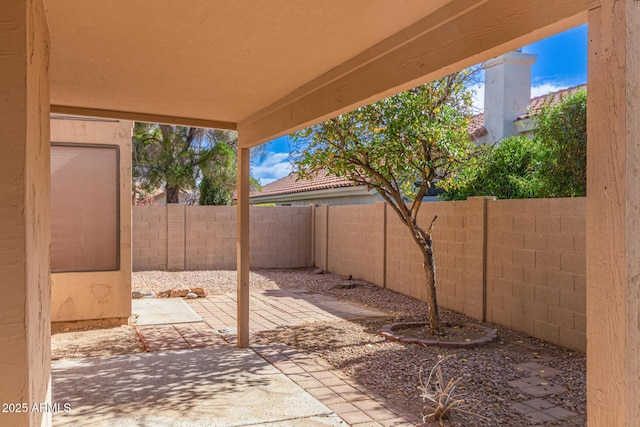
(198,291)
(345,276)
(318,271)
(345,285)
(178,293)
(143,294)
(191,295)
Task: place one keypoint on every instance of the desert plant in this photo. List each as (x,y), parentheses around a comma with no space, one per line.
(441,397)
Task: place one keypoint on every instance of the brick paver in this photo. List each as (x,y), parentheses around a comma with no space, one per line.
(539,410)
(348,400)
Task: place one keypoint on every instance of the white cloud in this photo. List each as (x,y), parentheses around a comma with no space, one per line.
(545,88)
(478,97)
(273,167)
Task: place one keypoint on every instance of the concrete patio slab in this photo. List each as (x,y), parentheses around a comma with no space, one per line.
(163,311)
(218,386)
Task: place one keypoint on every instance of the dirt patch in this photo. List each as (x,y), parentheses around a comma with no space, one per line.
(93,341)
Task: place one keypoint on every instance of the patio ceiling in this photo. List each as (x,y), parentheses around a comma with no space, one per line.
(267,68)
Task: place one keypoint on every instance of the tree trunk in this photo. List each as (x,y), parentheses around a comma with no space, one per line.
(425,242)
(430,272)
(172,194)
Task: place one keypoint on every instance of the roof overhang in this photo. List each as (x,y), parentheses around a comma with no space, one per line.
(267,68)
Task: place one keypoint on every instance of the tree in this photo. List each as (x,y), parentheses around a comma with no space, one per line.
(397,146)
(212,195)
(562,132)
(177,157)
(509,170)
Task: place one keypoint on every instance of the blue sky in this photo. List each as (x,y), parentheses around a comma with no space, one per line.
(561,63)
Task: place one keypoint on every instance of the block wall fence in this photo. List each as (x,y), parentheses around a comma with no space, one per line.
(178,237)
(517,263)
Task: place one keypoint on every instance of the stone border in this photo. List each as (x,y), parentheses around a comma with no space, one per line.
(490,335)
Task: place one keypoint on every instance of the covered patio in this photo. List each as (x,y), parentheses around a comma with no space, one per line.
(266,69)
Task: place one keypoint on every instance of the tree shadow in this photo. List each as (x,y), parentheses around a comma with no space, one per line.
(185,386)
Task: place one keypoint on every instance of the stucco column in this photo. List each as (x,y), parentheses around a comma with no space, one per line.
(613,215)
(25,334)
(243,247)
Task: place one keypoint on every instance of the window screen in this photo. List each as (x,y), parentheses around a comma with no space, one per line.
(84,207)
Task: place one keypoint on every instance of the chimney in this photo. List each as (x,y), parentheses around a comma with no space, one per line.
(507,92)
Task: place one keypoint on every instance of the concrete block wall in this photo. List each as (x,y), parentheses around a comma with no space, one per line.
(518,263)
(536,268)
(149,237)
(178,237)
(356,241)
(457,240)
(210,237)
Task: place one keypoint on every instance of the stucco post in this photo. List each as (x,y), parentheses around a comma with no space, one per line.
(25,334)
(613,215)
(243,247)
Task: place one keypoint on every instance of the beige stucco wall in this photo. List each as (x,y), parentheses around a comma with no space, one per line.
(25,346)
(178,237)
(100,294)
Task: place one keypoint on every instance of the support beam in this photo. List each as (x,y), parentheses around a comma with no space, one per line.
(613,215)
(25,334)
(433,47)
(243,247)
(142,117)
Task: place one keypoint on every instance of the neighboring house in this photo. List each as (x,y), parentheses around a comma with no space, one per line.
(509,110)
(322,190)
(160,198)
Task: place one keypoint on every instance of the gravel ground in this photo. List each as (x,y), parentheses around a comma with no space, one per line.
(392,370)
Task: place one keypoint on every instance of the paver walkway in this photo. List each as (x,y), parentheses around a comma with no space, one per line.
(538,384)
(350,401)
(275,309)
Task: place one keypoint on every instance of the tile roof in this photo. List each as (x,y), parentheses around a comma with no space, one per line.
(538,102)
(289,185)
(476,127)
